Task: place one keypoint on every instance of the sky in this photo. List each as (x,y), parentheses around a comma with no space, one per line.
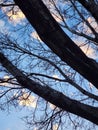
(12,120)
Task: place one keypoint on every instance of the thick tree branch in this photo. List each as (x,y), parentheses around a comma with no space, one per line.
(57,98)
(55,38)
(66,78)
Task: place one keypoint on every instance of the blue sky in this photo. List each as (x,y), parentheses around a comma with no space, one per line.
(12,121)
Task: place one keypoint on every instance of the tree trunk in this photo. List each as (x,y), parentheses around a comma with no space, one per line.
(55,38)
(57,98)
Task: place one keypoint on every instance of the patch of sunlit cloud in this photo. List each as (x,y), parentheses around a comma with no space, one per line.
(86,29)
(55,76)
(89,51)
(27,100)
(35,36)
(5,78)
(15,16)
(93,23)
(6,81)
(57,18)
(52,106)
(55,127)
(54,12)
(90,85)
(35,128)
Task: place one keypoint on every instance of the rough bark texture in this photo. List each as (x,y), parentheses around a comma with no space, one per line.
(55,38)
(57,98)
(91,6)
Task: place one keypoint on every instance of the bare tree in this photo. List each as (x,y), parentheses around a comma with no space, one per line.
(32,65)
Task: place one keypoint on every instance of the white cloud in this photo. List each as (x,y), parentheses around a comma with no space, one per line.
(90,52)
(52,106)
(27,100)
(55,76)
(93,23)
(57,18)
(35,128)
(53,10)
(85,29)
(16,18)
(35,36)
(15,15)
(91,85)
(5,78)
(55,127)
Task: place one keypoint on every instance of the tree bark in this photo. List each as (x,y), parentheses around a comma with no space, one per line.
(56,39)
(57,98)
